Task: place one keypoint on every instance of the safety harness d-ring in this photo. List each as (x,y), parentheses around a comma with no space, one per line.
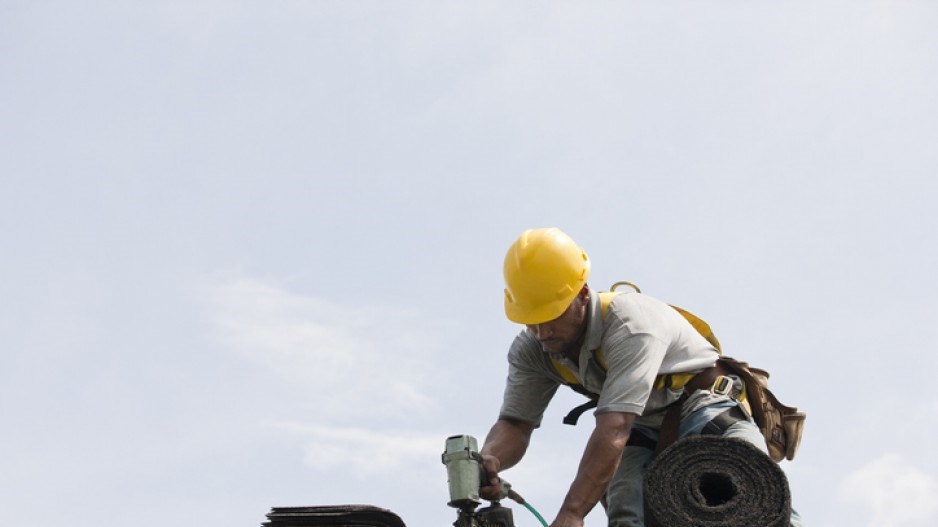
(630,284)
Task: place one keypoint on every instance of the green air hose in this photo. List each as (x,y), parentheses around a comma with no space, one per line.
(517,497)
(535,513)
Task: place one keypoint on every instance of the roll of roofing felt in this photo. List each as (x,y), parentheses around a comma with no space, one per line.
(332,516)
(710,481)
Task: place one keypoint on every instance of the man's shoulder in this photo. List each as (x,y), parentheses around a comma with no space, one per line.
(526,352)
(524,344)
(637,305)
(634,299)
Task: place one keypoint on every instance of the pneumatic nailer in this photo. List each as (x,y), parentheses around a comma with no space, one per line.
(465,473)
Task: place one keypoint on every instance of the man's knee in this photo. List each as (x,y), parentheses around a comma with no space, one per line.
(747,431)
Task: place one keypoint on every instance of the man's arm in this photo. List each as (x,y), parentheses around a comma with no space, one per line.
(504,447)
(598,465)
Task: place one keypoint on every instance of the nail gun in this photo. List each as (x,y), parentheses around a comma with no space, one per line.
(465,474)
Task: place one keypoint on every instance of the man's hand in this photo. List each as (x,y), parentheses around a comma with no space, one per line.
(567,520)
(504,446)
(491,488)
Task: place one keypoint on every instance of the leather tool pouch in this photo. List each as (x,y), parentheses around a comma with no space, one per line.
(781,425)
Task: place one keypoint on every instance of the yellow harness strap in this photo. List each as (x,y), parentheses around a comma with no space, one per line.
(702,327)
(564,371)
(674,381)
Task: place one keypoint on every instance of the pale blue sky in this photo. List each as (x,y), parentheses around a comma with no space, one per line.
(252,250)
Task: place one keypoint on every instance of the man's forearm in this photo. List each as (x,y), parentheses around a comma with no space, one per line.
(597,467)
(507,441)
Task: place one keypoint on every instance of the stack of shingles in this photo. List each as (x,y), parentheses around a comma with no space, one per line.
(332,516)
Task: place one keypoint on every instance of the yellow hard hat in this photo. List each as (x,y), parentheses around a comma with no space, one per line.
(544,271)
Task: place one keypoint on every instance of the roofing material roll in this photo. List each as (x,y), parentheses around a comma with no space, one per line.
(710,481)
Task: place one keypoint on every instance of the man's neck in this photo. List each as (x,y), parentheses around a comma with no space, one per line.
(572,351)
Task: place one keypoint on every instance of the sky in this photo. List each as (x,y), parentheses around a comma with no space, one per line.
(252,249)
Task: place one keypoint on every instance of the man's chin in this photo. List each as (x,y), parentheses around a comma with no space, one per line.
(554,347)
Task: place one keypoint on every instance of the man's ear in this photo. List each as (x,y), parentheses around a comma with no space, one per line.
(584,292)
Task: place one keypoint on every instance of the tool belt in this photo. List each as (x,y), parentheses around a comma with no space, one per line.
(780,425)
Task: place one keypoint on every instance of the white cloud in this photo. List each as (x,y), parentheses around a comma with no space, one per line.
(898,493)
(356,359)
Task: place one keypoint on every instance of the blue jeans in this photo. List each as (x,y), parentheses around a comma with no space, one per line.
(624,497)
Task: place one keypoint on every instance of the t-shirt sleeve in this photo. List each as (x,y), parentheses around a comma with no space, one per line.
(528,389)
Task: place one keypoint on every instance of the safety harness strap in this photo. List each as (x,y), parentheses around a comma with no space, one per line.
(637,438)
(721,422)
(672,416)
(574,415)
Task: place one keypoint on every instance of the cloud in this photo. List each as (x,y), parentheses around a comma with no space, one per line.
(898,493)
(355,359)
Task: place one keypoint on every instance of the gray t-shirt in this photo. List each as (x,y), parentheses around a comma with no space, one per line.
(640,337)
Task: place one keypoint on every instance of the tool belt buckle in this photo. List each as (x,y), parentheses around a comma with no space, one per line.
(722,385)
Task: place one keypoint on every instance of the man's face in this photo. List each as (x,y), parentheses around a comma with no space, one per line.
(560,334)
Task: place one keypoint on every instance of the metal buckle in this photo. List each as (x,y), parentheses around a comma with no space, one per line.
(723,385)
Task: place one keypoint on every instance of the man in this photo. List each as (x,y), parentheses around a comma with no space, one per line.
(642,341)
